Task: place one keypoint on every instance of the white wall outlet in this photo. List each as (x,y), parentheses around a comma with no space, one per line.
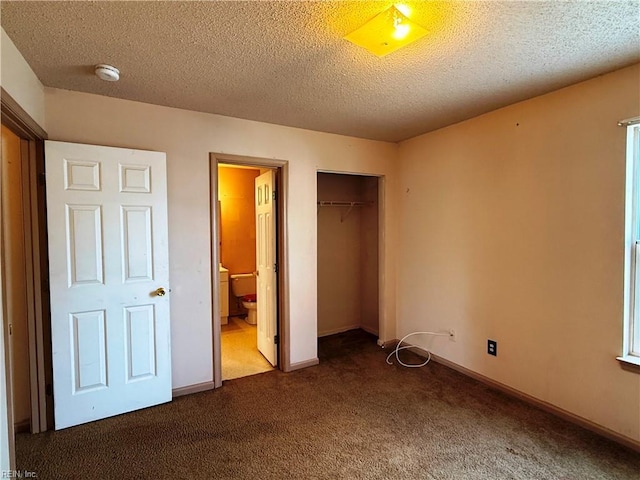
(452,335)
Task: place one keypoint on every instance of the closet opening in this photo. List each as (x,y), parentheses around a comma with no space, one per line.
(348,254)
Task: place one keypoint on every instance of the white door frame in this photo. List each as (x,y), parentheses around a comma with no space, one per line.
(32,135)
(284,359)
(32,138)
(383,328)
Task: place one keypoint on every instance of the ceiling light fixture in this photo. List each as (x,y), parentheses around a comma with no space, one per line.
(387,32)
(107,72)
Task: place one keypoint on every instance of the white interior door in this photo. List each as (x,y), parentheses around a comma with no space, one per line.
(108,253)
(266,264)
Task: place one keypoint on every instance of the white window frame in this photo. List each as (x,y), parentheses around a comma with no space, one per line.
(631,334)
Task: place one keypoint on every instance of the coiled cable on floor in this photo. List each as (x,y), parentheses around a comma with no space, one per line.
(399,347)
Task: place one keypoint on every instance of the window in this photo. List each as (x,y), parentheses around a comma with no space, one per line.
(631,347)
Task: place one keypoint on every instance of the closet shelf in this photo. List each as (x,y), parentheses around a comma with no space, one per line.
(335,203)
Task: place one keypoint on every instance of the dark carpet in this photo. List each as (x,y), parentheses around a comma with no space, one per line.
(351,417)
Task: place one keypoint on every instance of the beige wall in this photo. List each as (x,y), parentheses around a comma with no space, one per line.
(236,193)
(15,274)
(339,282)
(236,187)
(19,81)
(188,138)
(512,228)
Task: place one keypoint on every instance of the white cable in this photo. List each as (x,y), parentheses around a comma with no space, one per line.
(399,347)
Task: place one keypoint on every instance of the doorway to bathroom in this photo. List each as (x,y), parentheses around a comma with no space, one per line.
(248,286)
(348,253)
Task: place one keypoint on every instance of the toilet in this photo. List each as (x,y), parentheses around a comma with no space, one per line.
(243,286)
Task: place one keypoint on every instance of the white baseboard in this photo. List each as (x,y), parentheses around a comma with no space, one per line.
(189,389)
(22,427)
(304,364)
(389,343)
(372,331)
(326,333)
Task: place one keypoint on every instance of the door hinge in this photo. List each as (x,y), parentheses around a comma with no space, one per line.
(274,195)
(275,268)
(42,178)
(276,340)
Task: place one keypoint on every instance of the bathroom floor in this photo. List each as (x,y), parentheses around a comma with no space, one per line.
(240,355)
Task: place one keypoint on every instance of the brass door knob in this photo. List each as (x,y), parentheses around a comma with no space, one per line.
(161,292)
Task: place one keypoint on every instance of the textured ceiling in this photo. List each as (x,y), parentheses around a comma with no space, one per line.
(287,63)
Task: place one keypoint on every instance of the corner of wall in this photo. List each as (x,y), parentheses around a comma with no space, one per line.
(19,80)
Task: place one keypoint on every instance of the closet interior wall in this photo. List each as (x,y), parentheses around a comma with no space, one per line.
(347,254)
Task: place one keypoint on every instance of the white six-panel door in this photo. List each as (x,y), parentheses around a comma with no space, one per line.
(265,262)
(108,256)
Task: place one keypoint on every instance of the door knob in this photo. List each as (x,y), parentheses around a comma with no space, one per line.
(161,292)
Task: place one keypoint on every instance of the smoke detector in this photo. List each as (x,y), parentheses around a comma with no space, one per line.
(107,72)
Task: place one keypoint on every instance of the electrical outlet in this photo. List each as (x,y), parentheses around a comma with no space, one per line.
(452,335)
(492,347)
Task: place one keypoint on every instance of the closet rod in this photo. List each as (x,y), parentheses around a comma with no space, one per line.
(333,203)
